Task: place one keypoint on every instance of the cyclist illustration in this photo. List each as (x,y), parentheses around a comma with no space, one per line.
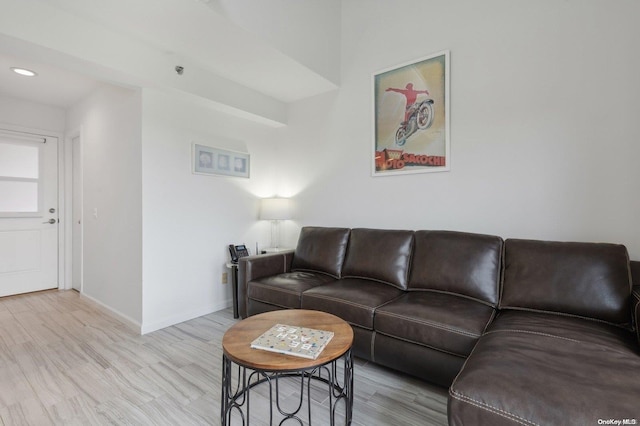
(411,96)
(417,115)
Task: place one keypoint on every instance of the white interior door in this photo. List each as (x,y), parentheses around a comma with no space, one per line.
(28,213)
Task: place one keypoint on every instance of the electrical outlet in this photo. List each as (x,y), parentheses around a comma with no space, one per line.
(225,277)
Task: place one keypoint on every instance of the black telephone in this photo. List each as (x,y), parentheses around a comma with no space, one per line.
(237,252)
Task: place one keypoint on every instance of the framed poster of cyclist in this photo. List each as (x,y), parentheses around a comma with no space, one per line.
(411,117)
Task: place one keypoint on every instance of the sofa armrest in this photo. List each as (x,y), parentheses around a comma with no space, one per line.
(259,266)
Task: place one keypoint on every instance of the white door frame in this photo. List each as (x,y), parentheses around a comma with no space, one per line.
(68,201)
(62,215)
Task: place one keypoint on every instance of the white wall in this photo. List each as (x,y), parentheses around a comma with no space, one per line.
(110,124)
(25,114)
(189,219)
(544,133)
(307,31)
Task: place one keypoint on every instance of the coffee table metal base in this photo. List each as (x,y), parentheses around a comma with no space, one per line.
(236,394)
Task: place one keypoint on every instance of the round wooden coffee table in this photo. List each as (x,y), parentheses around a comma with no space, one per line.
(255,366)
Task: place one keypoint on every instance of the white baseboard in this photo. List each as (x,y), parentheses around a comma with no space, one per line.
(129,322)
(177,319)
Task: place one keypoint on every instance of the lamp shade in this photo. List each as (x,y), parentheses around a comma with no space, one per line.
(275,209)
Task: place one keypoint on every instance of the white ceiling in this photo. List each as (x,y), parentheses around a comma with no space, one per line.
(74,45)
(52,86)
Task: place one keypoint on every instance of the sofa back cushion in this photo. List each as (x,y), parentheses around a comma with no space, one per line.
(590,280)
(321,250)
(379,255)
(635,272)
(457,262)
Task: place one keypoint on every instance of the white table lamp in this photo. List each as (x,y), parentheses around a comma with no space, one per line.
(275,210)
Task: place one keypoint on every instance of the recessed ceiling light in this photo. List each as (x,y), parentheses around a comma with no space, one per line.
(24,71)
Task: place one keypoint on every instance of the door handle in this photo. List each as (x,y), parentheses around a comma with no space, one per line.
(51,221)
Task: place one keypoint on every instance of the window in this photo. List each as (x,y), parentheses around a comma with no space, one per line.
(20,185)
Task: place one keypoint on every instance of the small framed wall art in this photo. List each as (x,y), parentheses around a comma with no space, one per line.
(207,160)
(411,117)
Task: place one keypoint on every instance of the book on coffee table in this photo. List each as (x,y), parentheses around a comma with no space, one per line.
(293,340)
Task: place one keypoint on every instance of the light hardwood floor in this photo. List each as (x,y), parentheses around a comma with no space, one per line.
(65,361)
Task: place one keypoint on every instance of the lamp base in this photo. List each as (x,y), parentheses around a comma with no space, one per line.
(275,233)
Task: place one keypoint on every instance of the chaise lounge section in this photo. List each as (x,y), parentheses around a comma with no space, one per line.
(536,332)
(560,350)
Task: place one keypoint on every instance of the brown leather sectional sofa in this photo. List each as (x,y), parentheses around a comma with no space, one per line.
(521,331)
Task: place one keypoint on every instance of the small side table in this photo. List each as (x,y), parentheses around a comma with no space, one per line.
(234,287)
(244,368)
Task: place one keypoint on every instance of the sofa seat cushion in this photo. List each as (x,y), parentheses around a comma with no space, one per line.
(285,290)
(563,327)
(352,299)
(515,377)
(440,321)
